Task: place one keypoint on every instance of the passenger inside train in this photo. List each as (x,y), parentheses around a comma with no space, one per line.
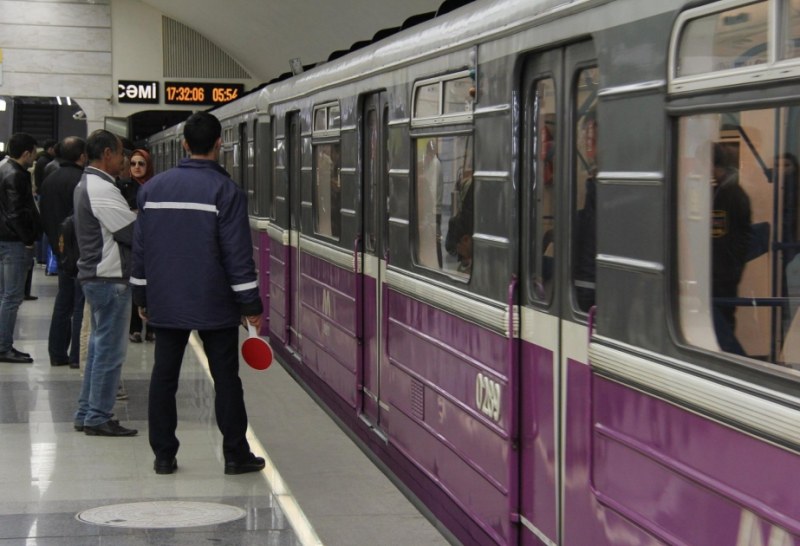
(586,243)
(444,204)
(730,241)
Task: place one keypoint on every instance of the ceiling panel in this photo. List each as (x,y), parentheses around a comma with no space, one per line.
(263,35)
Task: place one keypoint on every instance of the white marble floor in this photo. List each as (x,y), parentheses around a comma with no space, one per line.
(50,473)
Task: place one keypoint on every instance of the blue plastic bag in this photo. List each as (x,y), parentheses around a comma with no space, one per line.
(52,262)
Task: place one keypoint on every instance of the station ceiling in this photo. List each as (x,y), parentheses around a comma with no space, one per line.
(263,35)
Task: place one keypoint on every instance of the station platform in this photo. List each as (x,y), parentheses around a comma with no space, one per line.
(61,487)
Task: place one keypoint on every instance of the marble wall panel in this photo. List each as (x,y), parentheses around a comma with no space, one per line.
(13,36)
(55,14)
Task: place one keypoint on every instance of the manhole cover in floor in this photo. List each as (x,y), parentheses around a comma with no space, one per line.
(161,514)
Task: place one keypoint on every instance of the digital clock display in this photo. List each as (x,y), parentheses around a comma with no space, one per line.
(201,93)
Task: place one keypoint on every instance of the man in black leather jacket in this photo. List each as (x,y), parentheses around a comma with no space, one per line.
(20,227)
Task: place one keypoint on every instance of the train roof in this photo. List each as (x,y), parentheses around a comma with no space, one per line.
(169,132)
(247,103)
(464,26)
(468,25)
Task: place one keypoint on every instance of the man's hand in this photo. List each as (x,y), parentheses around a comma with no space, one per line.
(255,320)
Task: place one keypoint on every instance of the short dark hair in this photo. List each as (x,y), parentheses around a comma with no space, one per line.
(98,141)
(201,131)
(49,143)
(71,148)
(722,157)
(19,143)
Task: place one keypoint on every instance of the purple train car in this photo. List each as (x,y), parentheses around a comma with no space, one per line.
(539,257)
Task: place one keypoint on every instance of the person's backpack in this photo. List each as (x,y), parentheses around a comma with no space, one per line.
(68,252)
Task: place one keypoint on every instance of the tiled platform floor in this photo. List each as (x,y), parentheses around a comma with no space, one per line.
(49,473)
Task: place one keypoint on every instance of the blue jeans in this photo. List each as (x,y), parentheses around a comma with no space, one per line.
(110,305)
(64,341)
(14,262)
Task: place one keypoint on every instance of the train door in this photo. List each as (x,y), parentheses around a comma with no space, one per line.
(295,155)
(374,249)
(551,338)
(240,150)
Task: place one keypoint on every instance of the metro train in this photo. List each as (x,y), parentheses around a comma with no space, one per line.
(541,259)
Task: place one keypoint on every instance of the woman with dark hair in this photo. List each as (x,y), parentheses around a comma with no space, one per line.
(141,172)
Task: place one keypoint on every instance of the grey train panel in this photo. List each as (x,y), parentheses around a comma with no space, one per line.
(493,218)
(399,231)
(636,126)
(618,204)
(637,51)
(632,305)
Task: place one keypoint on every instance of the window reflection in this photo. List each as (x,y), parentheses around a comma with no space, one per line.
(790,33)
(458,95)
(327,190)
(739,246)
(584,244)
(371,180)
(444,204)
(543,221)
(427,101)
(721,41)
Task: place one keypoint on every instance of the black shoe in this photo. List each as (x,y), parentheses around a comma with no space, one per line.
(135,337)
(20,353)
(15,357)
(75,365)
(57,363)
(77,427)
(253,464)
(30,298)
(109,428)
(165,467)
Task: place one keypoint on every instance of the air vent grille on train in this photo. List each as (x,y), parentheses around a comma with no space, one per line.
(417,399)
(188,54)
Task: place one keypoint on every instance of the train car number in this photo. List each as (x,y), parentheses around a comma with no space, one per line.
(487,396)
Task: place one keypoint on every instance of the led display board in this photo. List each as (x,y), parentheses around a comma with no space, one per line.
(198,93)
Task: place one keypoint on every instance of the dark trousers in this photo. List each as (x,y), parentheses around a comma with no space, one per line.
(29,281)
(725,328)
(65,325)
(222,349)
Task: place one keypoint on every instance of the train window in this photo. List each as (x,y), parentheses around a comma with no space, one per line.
(447,99)
(253,170)
(444,204)
(327,120)
(739,234)
(426,101)
(458,95)
(371,180)
(740,43)
(584,233)
(724,40)
(320,120)
(278,174)
(543,221)
(227,161)
(334,118)
(327,190)
(791,30)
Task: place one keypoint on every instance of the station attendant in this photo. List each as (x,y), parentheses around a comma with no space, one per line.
(201,277)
